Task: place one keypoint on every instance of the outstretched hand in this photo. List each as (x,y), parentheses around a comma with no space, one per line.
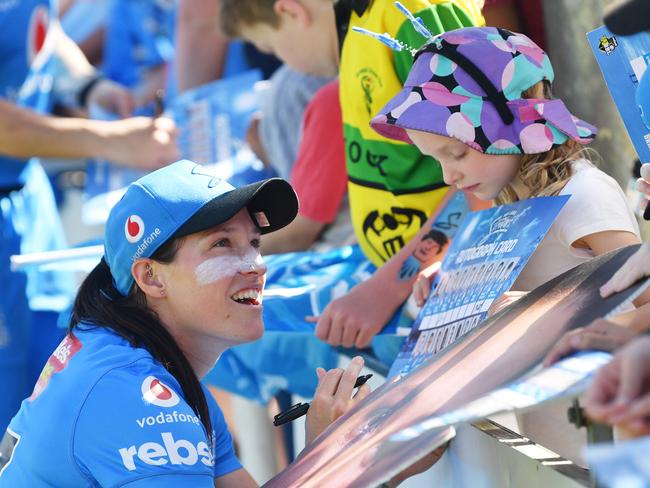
(334,397)
(355,318)
(620,392)
(601,334)
(636,267)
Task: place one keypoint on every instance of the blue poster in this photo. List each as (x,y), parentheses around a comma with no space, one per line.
(212,120)
(623,61)
(488,252)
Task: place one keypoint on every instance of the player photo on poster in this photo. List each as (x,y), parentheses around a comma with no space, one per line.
(496,367)
(483,261)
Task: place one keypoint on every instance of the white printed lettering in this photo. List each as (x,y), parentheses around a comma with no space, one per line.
(204,451)
(171,451)
(127,457)
(152,453)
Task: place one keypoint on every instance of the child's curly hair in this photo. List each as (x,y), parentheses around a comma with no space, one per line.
(545,174)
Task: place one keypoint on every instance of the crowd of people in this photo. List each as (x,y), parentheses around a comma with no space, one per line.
(370,142)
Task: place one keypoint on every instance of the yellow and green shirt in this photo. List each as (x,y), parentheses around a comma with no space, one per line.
(393,188)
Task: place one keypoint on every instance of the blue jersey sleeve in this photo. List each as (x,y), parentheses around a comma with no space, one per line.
(135,429)
(225,460)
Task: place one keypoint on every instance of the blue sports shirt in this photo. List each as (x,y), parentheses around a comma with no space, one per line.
(104,413)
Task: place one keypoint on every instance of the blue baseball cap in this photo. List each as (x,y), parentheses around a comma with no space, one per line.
(181,199)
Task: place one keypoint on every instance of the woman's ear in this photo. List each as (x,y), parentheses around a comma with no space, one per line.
(145,276)
(294,10)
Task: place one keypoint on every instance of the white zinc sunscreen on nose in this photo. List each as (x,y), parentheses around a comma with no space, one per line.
(220,267)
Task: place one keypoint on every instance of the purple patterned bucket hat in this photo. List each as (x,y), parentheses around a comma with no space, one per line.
(467,84)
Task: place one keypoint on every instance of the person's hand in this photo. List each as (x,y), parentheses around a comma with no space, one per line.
(355,318)
(620,392)
(113,97)
(643,183)
(141,142)
(601,335)
(635,268)
(333,397)
(422,284)
(504,300)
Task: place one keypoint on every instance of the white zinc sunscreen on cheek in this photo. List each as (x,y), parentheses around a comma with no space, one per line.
(220,267)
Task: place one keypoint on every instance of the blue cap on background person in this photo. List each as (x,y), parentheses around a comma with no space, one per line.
(181,199)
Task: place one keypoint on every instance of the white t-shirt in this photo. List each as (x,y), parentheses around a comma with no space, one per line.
(597,204)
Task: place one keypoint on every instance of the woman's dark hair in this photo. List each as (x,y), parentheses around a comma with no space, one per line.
(99,304)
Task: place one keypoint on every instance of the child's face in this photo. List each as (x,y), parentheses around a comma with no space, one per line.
(481,174)
(306,39)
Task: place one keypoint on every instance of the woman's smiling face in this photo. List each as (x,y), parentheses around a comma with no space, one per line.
(213,287)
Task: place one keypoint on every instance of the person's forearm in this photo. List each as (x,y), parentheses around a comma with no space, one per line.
(200,47)
(24,134)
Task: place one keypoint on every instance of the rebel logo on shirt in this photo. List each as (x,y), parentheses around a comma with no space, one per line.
(177,452)
(133,229)
(156,392)
(57,362)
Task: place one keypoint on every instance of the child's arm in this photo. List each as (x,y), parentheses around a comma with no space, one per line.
(604,242)
(354,319)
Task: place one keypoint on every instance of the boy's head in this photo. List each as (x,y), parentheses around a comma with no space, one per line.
(302,33)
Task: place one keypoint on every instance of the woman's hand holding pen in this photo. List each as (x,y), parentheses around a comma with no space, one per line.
(333,397)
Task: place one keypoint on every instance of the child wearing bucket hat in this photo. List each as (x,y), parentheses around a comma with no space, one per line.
(479,101)
(120,400)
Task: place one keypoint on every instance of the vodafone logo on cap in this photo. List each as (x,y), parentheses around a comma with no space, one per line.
(133,229)
(157,393)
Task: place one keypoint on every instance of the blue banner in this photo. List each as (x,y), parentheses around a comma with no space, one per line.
(488,252)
